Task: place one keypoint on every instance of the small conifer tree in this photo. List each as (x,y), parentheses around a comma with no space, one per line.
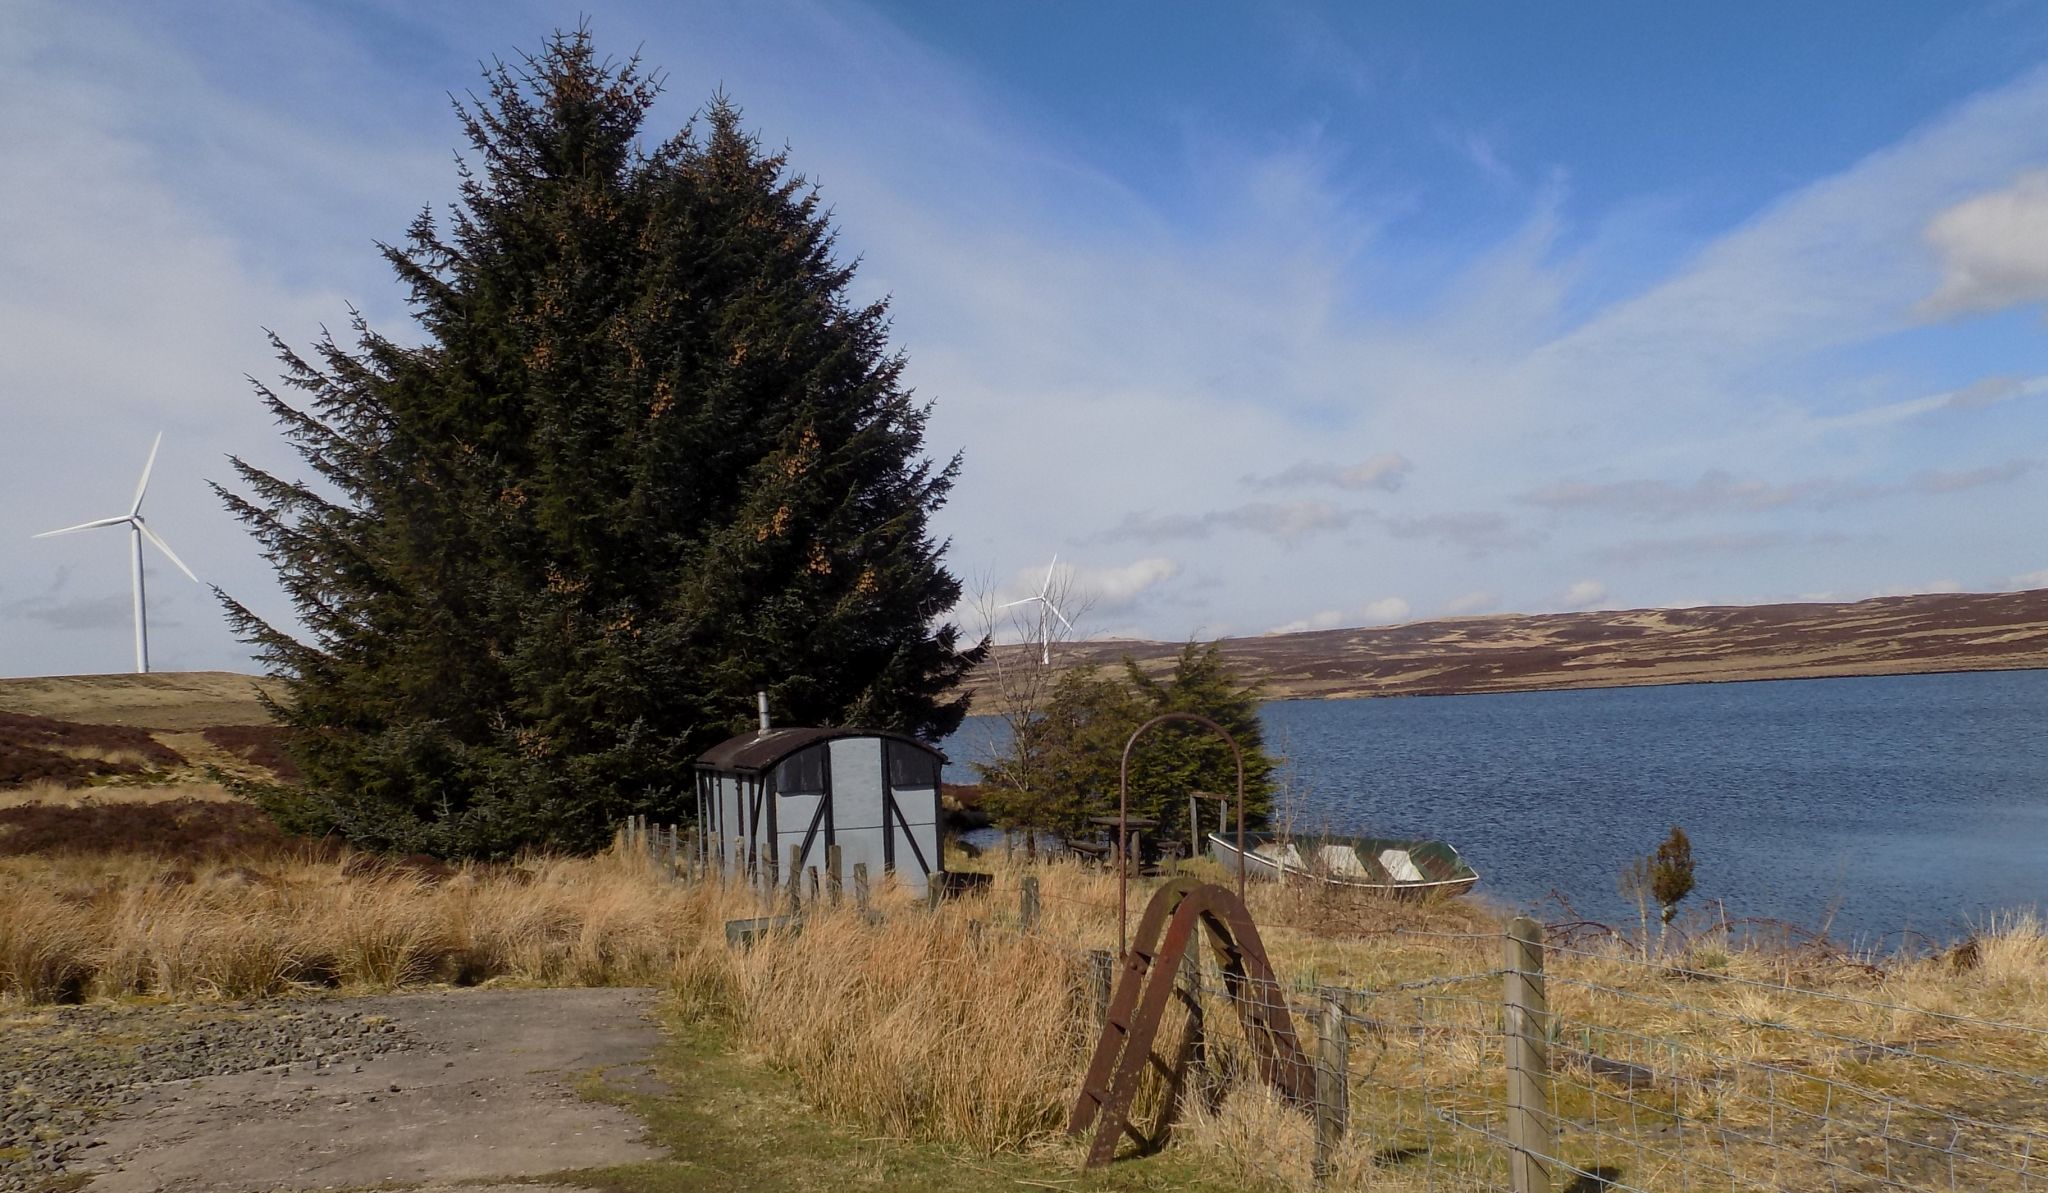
(1671,877)
(1064,769)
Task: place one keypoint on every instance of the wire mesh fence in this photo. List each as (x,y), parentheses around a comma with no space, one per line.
(1497,1061)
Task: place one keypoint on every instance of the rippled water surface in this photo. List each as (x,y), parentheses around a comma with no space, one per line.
(1900,802)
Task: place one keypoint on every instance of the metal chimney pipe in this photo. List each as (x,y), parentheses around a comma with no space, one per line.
(762,699)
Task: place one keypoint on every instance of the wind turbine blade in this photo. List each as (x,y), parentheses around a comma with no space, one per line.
(1047,586)
(1063,617)
(1011,605)
(173,555)
(95,524)
(142,485)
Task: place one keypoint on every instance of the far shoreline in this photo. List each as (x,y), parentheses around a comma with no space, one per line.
(1915,635)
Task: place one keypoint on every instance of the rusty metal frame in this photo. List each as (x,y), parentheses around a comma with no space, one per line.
(1177,912)
(1123,818)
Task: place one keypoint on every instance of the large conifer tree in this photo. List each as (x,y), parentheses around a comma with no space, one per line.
(646,459)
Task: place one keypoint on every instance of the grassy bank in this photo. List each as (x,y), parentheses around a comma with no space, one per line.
(960,1029)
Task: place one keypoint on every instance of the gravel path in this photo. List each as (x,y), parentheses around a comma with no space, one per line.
(449,1086)
(65,1070)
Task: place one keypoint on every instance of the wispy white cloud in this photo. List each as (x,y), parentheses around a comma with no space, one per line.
(1472,602)
(1993,250)
(1981,394)
(1326,619)
(1477,533)
(1718,491)
(1285,521)
(1117,587)
(1688,546)
(1584,594)
(1384,471)
(1384,610)
(1935,586)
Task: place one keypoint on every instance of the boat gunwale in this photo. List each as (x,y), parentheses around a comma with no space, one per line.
(1282,869)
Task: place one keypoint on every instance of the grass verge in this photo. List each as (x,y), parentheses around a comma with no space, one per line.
(729,1122)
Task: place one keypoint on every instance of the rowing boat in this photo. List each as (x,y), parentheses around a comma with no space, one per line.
(1406,869)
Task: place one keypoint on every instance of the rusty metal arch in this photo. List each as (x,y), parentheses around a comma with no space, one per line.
(1177,911)
(1123,817)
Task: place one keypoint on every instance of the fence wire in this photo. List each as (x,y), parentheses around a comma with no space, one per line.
(1656,1076)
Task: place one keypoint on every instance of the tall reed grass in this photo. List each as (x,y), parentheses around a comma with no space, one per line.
(110,926)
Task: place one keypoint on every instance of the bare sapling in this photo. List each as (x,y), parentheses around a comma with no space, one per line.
(1634,884)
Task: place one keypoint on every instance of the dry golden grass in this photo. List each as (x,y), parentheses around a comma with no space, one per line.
(63,796)
(958,1026)
(920,1026)
(119,925)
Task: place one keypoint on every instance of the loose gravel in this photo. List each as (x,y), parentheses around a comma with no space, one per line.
(63,1069)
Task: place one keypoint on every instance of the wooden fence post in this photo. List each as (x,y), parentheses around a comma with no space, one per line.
(1027,903)
(860,886)
(1530,1140)
(815,889)
(1101,978)
(1197,1076)
(796,879)
(833,873)
(1333,1079)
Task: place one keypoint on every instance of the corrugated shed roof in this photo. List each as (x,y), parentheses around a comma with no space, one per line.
(764,748)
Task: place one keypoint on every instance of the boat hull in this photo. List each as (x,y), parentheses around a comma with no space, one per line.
(1263,865)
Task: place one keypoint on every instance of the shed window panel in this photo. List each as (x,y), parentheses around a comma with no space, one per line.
(802,773)
(910,767)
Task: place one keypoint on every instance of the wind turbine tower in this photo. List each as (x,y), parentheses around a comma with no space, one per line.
(137,531)
(1044,599)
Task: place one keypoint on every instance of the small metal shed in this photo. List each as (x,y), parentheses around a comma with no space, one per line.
(873,794)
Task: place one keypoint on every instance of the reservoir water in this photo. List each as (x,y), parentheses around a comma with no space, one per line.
(1881,805)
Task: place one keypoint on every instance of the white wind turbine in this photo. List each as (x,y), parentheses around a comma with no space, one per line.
(137,531)
(1044,598)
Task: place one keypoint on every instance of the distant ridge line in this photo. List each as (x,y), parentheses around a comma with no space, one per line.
(1518,652)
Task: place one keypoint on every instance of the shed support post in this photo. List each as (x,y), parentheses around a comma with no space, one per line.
(1530,1141)
(1333,1080)
(834,887)
(1027,903)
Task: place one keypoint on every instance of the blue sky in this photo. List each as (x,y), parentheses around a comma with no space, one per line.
(1260,316)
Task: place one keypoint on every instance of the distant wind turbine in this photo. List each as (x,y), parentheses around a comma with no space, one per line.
(137,531)
(1044,598)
